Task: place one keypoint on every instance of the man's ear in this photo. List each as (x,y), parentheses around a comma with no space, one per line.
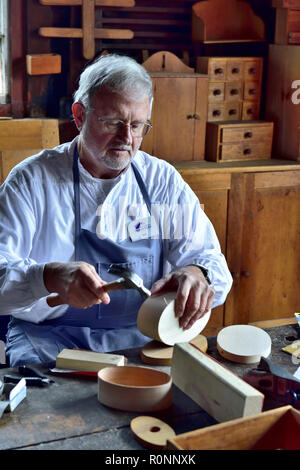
(79,113)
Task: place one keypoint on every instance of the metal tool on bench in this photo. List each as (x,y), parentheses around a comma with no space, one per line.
(32,377)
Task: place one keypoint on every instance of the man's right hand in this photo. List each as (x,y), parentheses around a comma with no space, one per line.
(75,283)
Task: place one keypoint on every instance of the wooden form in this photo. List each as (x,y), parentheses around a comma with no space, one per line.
(164,61)
(235,22)
(234,87)
(242,140)
(88,32)
(156,319)
(282,99)
(43,64)
(214,388)
(270,430)
(21,138)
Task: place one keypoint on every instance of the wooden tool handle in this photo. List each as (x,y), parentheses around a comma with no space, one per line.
(55,300)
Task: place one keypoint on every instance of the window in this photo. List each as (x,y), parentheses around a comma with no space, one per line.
(4,51)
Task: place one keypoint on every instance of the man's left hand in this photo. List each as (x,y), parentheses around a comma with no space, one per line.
(194,295)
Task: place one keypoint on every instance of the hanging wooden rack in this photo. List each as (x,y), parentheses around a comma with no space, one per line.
(88,32)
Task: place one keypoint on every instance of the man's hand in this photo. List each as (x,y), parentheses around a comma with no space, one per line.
(194,295)
(76,284)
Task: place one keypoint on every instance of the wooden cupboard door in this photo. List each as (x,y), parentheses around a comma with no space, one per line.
(269,276)
(212,191)
(178,117)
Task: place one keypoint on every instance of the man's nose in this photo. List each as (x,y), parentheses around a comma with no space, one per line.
(126,134)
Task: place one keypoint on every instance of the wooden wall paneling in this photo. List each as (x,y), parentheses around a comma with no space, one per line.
(213,192)
(282,100)
(270,269)
(287,26)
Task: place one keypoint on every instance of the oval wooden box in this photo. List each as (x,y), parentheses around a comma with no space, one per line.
(156,319)
(134,388)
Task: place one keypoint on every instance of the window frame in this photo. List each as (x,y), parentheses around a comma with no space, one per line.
(5,51)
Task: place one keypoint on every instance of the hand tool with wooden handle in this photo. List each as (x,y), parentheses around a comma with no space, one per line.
(129,280)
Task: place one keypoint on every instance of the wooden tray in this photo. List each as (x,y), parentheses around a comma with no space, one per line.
(270,430)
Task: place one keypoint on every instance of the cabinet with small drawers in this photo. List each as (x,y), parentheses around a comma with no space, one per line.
(234,87)
(243,140)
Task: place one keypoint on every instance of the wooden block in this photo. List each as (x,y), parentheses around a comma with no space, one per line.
(293,349)
(76,359)
(22,134)
(164,61)
(216,389)
(151,432)
(43,64)
(270,430)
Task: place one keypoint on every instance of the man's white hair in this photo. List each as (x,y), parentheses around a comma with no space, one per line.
(116,73)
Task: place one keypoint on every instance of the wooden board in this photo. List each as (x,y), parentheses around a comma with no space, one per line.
(76,359)
(222,394)
(159,354)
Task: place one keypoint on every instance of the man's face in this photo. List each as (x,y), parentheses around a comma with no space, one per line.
(107,150)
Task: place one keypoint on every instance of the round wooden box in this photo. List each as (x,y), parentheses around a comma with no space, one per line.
(134,388)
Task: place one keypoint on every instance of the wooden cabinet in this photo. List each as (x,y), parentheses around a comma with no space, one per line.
(242,140)
(178,117)
(234,87)
(254,208)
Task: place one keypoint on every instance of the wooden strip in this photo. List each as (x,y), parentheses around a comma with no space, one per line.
(100,33)
(88,26)
(221,393)
(98,3)
(275,180)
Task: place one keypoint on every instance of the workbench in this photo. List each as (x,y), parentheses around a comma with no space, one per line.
(66,415)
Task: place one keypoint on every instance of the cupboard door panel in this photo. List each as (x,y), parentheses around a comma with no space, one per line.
(270,268)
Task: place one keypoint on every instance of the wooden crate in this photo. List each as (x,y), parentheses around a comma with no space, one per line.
(243,140)
(21,138)
(270,430)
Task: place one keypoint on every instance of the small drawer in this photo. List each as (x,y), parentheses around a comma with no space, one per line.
(233,91)
(215,112)
(252,69)
(234,70)
(250,110)
(232,111)
(246,134)
(216,91)
(245,151)
(217,70)
(252,90)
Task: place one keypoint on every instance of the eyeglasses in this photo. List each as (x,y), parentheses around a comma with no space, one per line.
(137,128)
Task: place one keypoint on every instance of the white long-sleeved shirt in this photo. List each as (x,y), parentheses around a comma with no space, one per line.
(37,224)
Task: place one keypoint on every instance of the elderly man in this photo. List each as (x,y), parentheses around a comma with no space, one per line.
(68,213)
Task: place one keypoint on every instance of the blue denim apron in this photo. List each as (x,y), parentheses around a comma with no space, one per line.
(101,327)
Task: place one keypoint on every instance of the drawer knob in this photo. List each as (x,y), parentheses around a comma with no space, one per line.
(247,151)
(248,135)
(216,112)
(197,117)
(193,116)
(250,111)
(252,70)
(189,116)
(217,91)
(219,70)
(245,273)
(252,91)
(232,112)
(234,91)
(235,70)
